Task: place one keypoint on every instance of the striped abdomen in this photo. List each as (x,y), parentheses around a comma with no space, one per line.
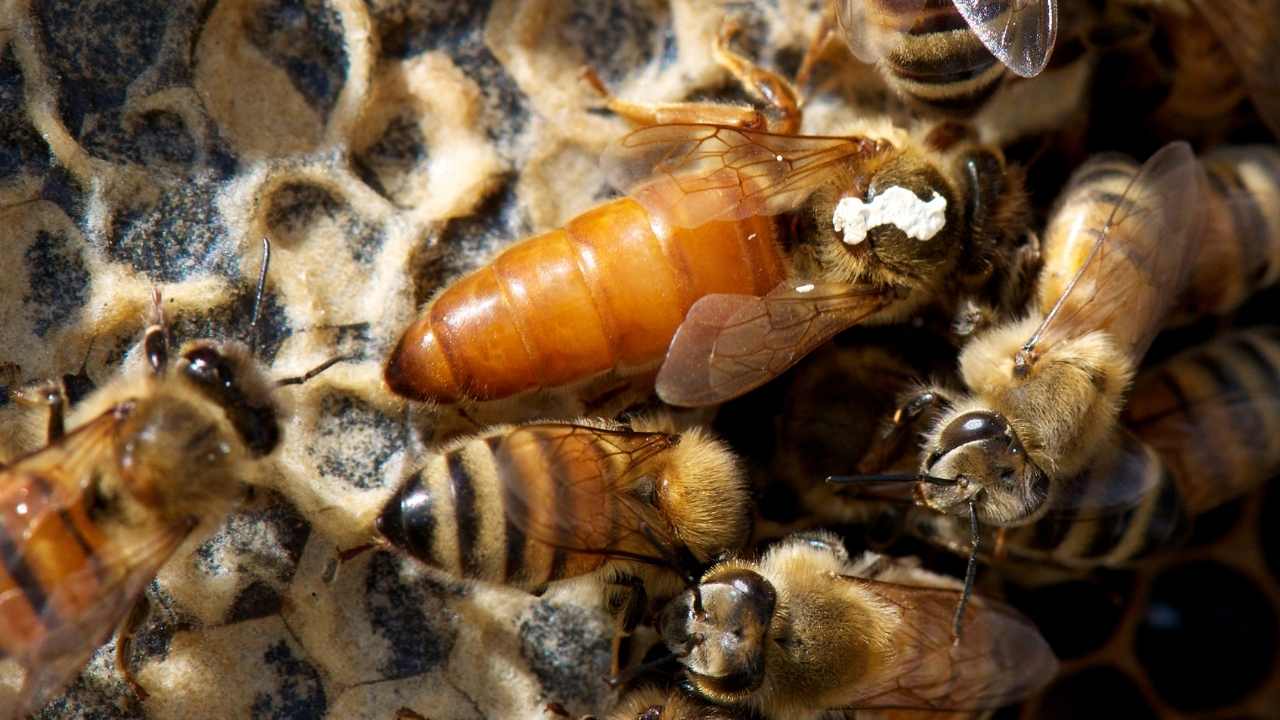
(935,59)
(520,507)
(51,569)
(1212,414)
(1103,529)
(1240,251)
(606,292)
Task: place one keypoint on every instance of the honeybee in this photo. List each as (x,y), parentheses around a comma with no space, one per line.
(763,244)
(806,630)
(88,520)
(652,703)
(950,56)
(642,508)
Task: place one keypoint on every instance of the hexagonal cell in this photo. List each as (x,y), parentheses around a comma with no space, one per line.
(1205,610)
(1079,616)
(1097,692)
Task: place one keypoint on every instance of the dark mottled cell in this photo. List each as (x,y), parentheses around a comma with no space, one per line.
(1079,616)
(411,27)
(64,190)
(163,620)
(296,207)
(94,697)
(1269,528)
(617,36)
(94,68)
(1210,527)
(157,139)
(304,37)
(257,600)
(410,615)
(388,163)
(23,149)
(354,441)
(179,235)
(1207,637)
(231,321)
(299,692)
(467,242)
(568,649)
(263,543)
(1095,693)
(58,281)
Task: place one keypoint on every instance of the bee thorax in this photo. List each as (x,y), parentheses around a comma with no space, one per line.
(897,206)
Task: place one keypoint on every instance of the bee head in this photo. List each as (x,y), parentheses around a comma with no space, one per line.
(226,375)
(719,630)
(979,458)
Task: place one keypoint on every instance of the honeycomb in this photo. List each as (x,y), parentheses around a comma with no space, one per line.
(385,146)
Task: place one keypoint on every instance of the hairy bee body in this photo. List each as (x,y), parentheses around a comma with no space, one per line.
(532,504)
(87,521)
(605,292)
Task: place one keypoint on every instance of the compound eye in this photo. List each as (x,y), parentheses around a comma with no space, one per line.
(972,427)
(208,367)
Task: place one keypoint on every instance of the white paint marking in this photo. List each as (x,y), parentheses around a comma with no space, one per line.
(895,206)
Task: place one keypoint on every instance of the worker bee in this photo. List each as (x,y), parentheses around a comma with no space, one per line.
(88,520)
(758,246)
(653,703)
(642,508)
(806,629)
(950,56)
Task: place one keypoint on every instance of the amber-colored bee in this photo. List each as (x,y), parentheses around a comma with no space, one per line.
(641,508)
(763,244)
(806,630)
(86,521)
(950,56)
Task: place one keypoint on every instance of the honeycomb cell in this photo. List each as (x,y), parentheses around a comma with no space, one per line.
(1095,693)
(1079,616)
(1207,636)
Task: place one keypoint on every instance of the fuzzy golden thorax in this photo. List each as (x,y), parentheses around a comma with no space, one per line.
(188,432)
(1014,437)
(702,491)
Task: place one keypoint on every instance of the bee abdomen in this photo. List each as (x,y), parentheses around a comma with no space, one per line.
(605,292)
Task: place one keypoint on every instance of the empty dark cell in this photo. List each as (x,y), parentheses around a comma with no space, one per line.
(89,697)
(257,600)
(164,620)
(261,542)
(305,38)
(1076,617)
(1097,692)
(398,152)
(153,139)
(467,242)
(297,206)
(298,693)
(23,150)
(354,441)
(1210,527)
(1207,637)
(179,236)
(63,190)
(1269,528)
(95,68)
(410,615)
(616,36)
(568,649)
(58,282)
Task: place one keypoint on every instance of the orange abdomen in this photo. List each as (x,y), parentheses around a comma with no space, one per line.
(605,292)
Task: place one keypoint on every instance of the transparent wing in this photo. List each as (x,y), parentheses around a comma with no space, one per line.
(1121,476)
(1250,32)
(871,29)
(63,652)
(1001,659)
(590,473)
(695,174)
(1141,247)
(729,344)
(1020,33)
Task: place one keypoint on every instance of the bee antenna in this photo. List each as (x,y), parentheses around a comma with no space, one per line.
(971,570)
(299,379)
(258,295)
(626,676)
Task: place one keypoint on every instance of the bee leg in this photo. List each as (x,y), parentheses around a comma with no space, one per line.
(124,644)
(645,114)
(893,442)
(50,394)
(632,613)
(765,85)
(828,31)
